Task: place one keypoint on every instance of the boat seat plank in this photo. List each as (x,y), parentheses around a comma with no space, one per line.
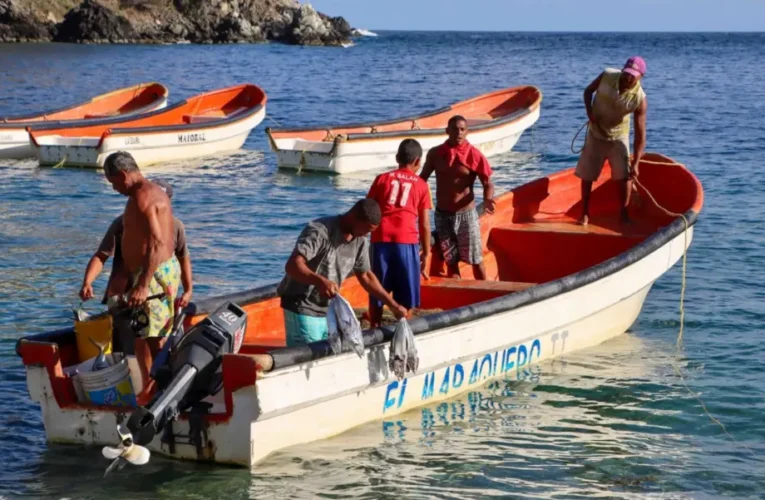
(500,286)
(101,115)
(605,228)
(200,118)
(213,115)
(477,121)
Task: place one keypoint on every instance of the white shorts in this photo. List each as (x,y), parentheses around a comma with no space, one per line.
(597,151)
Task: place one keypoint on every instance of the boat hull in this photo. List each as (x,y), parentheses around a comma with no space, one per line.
(16,144)
(147,148)
(319,399)
(365,154)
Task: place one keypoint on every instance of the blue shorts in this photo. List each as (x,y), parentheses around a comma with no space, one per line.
(301,329)
(397,266)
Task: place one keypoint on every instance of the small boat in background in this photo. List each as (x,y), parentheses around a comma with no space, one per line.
(555,287)
(129,101)
(207,123)
(496,122)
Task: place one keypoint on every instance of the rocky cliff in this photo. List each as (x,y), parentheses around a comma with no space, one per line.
(169,21)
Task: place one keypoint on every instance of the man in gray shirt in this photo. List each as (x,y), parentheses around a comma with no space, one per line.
(327,252)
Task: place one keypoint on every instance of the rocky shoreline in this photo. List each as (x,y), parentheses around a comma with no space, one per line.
(170,21)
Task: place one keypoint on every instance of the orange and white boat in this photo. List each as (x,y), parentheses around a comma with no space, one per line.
(496,120)
(555,287)
(202,125)
(130,101)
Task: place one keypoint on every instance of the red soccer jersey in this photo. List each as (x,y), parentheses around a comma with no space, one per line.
(401,195)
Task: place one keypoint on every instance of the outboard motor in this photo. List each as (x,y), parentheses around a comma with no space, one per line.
(192,372)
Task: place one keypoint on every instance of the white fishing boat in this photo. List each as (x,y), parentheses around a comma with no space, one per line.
(202,125)
(555,287)
(130,101)
(496,121)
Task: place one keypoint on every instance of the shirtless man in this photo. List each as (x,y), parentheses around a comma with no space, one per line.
(119,283)
(457,163)
(148,241)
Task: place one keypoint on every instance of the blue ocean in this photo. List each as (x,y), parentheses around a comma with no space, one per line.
(627,419)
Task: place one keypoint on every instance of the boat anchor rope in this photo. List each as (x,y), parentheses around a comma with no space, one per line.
(61,163)
(675,365)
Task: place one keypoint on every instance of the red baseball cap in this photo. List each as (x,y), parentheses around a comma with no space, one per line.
(635,66)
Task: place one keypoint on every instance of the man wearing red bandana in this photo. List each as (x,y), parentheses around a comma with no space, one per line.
(457,164)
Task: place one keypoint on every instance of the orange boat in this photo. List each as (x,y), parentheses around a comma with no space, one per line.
(205,124)
(497,120)
(130,101)
(555,287)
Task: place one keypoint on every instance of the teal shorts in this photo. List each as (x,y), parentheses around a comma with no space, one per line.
(301,329)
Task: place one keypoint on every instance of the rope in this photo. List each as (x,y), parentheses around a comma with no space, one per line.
(682,300)
(60,164)
(273,120)
(685,243)
(586,125)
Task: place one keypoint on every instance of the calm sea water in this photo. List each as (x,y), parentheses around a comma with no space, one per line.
(612,421)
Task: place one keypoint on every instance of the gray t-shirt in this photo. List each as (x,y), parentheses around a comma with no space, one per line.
(326,252)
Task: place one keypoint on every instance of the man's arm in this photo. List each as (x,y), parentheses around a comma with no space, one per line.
(429,166)
(488,193)
(639,147)
(186,279)
(95,266)
(297,269)
(182,253)
(424,221)
(151,261)
(588,93)
(372,285)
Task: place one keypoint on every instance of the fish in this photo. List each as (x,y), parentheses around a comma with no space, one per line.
(403,353)
(342,324)
(100,362)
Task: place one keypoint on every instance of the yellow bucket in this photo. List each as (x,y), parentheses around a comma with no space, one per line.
(98,328)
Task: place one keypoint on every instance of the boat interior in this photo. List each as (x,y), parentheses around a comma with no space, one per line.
(115,103)
(204,109)
(532,238)
(481,110)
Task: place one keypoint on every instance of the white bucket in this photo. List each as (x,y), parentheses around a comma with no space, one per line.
(111,386)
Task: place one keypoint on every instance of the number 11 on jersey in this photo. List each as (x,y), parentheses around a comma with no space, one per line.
(397,187)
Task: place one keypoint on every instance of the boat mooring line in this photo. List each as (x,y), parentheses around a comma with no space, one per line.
(675,365)
(273,120)
(585,125)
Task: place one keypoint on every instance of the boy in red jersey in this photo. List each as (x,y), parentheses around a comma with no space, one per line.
(396,259)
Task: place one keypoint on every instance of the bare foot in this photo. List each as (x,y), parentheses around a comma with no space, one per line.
(583,220)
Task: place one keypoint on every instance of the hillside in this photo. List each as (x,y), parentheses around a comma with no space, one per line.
(169,21)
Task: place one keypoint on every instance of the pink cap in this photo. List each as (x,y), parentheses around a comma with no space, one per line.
(635,65)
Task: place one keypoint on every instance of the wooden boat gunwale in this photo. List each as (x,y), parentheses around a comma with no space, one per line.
(23,121)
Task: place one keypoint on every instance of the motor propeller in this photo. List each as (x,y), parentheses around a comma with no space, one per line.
(127,451)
